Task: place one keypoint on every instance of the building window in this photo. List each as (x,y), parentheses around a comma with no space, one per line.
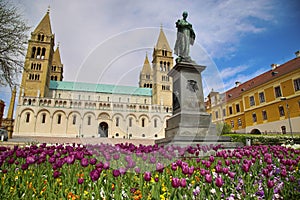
(117,134)
(130,122)
(239,122)
(281,111)
(232,123)
(74,119)
(43,118)
(297,84)
(252,101)
(264,115)
(261,97)
(143,122)
(27,117)
(58,119)
(155,123)
(237,107)
(155,135)
(224,112)
(89,120)
(254,118)
(277,91)
(230,110)
(217,114)
(117,121)
(143,135)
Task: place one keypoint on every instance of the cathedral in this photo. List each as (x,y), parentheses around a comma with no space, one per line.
(49,106)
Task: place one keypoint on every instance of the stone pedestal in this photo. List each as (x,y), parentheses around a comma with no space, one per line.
(189,119)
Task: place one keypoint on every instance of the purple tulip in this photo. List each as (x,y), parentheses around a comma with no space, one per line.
(183,182)
(24,166)
(94,174)
(137,170)
(219,181)
(159,167)
(147,176)
(211,158)
(93,161)
(218,169)
(225,170)
(56,174)
(30,160)
(174,166)
(84,162)
(208,178)
(283,172)
(231,174)
(80,180)
(246,168)
(106,165)
(70,159)
(116,173)
(202,172)
(175,182)
(270,184)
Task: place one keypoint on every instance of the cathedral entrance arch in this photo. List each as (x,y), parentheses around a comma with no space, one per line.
(103,129)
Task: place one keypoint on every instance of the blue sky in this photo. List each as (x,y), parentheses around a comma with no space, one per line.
(106,41)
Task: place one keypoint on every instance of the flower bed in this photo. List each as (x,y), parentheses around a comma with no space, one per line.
(125,171)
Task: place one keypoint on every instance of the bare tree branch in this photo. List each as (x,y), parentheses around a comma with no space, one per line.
(13,40)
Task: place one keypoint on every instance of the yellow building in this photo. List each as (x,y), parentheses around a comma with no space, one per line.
(268,103)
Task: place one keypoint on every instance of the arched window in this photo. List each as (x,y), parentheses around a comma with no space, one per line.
(117,134)
(155,123)
(74,119)
(130,122)
(43,118)
(165,69)
(33,52)
(161,68)
(58,119)
(43,53)
(27,117)
(143,122)
(89,120)
(117,121)
(38,53)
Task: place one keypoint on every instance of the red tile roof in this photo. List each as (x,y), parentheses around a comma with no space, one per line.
(272,74)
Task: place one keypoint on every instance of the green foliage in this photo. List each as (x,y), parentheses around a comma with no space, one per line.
(263,139)
(223,128)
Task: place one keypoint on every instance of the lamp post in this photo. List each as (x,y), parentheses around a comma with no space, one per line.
(289,117)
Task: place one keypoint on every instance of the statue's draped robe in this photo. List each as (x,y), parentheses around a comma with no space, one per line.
(185,38)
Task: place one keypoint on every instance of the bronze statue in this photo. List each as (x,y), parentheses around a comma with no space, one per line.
(185,37)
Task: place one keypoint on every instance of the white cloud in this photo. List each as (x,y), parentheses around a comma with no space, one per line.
(82,25)
(229,72)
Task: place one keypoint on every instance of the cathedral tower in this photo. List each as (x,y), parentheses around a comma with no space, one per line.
(57,67)
(38,60)
(162,63)
(146,76)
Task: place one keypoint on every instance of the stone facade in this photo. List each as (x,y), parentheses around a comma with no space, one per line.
(49,106)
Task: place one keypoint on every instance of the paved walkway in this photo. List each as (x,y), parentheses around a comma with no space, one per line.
(23,140)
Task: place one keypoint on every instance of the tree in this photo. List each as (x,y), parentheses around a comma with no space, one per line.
(223,128)
(13,38)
